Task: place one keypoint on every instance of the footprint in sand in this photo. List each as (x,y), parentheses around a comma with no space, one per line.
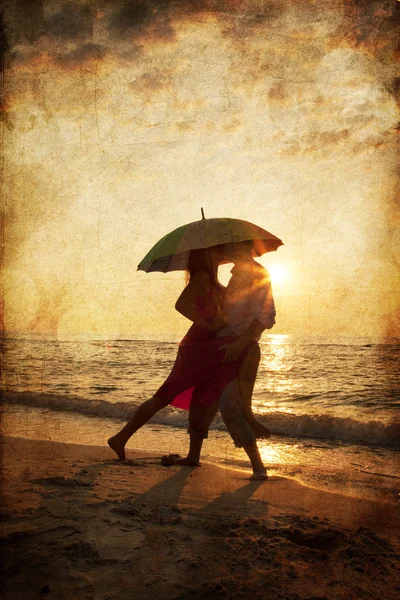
(110,540)
(63,482)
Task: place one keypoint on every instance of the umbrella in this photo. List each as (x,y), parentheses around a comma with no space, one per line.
(171,253)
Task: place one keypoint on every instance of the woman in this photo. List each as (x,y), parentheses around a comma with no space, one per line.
(192,383)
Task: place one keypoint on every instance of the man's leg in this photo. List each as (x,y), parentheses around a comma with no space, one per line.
(143,413)
(239,429)
(200,419)
(247,376)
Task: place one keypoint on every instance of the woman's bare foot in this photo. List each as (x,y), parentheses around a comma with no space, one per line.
(174,459)
(262,432)
(259,476)
(118,447)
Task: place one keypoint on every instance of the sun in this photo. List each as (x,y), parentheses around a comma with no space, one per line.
(278,274)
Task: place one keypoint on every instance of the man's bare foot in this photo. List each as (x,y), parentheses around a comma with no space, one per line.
(174,459)
(262,432)
(117,446)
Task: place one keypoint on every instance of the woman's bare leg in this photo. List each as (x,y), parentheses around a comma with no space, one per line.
(142,414)
(247,378)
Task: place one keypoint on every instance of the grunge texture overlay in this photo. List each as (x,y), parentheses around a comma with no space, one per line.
(123,118)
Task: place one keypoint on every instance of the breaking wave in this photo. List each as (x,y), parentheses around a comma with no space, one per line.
(342,429)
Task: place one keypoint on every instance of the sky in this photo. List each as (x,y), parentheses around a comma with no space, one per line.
(122,119)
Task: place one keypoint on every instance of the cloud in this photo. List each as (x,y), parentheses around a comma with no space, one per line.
(24,21)
(370,21)
(348,108)
(83,53)
(132,15)
(395,88)
(138,19)
(280,37)
(245,22)
(21,55)
(315,142)
(143,21)
(73,21)
(150,82)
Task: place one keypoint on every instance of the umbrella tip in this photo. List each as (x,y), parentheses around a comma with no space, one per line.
(202,213)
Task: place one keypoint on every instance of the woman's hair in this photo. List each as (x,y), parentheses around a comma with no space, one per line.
(201,260)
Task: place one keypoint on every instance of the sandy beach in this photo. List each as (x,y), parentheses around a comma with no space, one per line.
(77,523)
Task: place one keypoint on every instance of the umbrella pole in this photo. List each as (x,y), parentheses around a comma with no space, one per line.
(202,213)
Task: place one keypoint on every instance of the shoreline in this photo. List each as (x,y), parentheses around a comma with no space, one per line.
(359,471)
(78,521)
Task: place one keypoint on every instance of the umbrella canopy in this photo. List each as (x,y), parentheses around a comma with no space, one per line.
(171,253)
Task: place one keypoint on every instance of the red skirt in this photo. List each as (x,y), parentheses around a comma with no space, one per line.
(199,374)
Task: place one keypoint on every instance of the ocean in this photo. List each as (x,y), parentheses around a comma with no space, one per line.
(326,401)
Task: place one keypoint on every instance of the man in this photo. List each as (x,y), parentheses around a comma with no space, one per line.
(249,310)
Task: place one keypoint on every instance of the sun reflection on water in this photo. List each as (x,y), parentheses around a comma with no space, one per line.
(271,454)
(275,369)
(277,354)
(274,452)
(278,453)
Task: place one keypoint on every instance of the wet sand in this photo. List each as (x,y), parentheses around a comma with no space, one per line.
(77,523)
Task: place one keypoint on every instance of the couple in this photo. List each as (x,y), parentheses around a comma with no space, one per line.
(218,358)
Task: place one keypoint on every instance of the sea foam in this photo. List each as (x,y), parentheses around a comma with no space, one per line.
(317,426)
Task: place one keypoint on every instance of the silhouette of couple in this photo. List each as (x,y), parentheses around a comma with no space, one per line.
(218,358)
